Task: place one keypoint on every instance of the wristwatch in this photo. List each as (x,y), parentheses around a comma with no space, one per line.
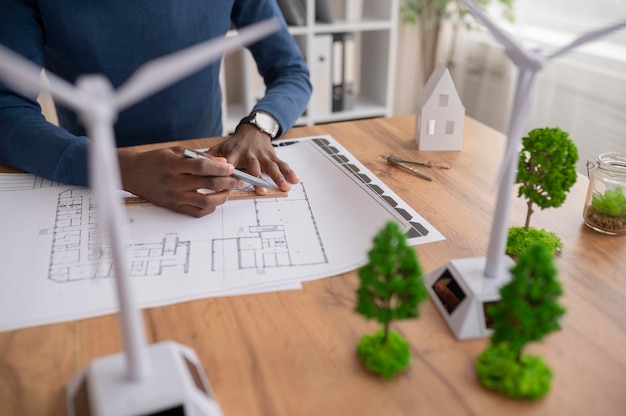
(263,121)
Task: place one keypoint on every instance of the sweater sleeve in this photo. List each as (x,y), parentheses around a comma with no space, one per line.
(27,140)
(280,63)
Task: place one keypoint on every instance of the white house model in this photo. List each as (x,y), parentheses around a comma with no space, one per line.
(440,113)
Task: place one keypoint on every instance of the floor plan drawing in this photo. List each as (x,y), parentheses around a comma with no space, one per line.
(77,252)
(17,181)
(271,241)
(322,228)
(268,241)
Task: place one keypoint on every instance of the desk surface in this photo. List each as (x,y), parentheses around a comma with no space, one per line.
(293,353)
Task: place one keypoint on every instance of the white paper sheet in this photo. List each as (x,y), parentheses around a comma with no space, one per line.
(54,269)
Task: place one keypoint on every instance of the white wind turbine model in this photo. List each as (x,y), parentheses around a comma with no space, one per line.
(462,288)
(165,376)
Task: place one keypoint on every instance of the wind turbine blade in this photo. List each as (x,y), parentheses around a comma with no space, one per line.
(25,77)
(586,38)
(516,52)
(162,72)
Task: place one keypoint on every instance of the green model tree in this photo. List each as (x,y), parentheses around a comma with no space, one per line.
(527,312)
(545,173)
(391,288)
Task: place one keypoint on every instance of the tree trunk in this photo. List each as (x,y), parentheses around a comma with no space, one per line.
(529,212)
(429,34)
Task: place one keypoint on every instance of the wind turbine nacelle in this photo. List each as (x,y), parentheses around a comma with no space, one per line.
(176,385)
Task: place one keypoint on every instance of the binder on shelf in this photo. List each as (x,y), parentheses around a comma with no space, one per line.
(353,10)
(321,75)
(337,76)
(349,71)
(324,11)
(344,72)
(294,11)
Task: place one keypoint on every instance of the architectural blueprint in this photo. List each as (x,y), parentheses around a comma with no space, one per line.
(55,266)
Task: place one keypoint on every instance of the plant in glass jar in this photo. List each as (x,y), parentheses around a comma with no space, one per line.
(608,210)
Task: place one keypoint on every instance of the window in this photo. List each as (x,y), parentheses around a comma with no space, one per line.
(431,127)
(443,100)
(449,127)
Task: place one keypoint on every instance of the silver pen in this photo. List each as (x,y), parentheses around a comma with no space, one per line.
(246,177)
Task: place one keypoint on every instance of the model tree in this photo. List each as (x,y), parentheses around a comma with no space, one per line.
(391,288)
(546,172)
(527,312)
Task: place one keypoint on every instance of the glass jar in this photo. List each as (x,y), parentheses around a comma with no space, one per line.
(605,205)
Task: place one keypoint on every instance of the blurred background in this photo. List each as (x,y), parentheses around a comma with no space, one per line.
(582,92)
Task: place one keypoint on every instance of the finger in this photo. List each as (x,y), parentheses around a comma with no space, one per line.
(208,155)
(217,182)
(226,150)
(274,172)
(207,167)
(219,159)
(282,174)
(287,172)
(253,167)
(193,211)
(198,205)
(190,183)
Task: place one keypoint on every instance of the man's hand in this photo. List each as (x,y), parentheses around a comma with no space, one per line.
(165,178)
(252,150)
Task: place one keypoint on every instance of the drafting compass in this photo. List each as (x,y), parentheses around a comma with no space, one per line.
(404,164)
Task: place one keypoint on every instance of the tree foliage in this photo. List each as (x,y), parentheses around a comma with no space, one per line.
(529,308)
(440,10)
(384,358)
(498,370)
(391,285)
(527,311)
(519,239)
(546,169)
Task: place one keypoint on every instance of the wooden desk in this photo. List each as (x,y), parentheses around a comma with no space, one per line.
(293,353)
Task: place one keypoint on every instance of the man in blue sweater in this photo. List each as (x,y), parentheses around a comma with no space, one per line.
(114,38)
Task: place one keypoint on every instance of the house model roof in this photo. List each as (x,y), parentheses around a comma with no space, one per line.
(439,75)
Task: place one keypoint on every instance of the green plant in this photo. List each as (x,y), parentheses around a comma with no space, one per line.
(384,358)
(611,202)
(519,239)
(527,311)
(546,169)
(529,378)
(437,11)
(431,13)
(391,288)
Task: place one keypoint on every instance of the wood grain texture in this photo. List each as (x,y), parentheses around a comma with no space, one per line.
(293,353)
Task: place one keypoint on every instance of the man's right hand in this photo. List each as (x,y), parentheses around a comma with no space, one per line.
(164,178)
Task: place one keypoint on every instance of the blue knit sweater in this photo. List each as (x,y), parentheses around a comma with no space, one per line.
(115,37)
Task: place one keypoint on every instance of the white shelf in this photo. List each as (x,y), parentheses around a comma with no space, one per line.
(375,43)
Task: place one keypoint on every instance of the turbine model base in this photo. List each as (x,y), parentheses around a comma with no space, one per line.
(461,292)
(176,386)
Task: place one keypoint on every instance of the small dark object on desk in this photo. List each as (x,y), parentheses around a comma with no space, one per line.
(401,163)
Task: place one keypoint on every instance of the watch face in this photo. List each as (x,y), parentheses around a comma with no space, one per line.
(266,123)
